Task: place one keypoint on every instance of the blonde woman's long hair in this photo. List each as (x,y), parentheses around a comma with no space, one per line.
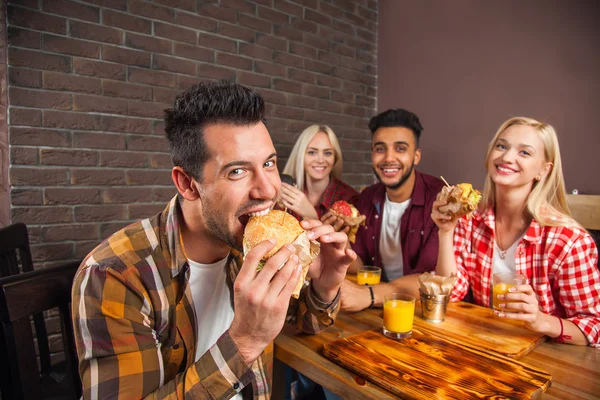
(295,163)
(547,202)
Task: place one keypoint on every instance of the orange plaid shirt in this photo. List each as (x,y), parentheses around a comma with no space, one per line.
(135,325)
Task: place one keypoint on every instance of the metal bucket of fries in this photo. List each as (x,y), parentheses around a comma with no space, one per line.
(434,306)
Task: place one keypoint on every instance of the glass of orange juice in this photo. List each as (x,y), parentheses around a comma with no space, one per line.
(502,282)
(368,275)
(398,315)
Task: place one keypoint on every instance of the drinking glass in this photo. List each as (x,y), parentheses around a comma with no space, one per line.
(502,282)
(398,315)
(368,275)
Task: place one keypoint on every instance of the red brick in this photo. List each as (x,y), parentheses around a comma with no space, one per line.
(59,233)
(325,80)
(116,4)
(147,143)
(24,155)
(23,17)
(108,229)
(316,91)
(217,42)
(236,32)
(273,96)
(151,77)
(163,194)
(288,33)
(120,159)
(100,69)
(184,81)
(71,9)
(145,177)
(99,104)
(175,33)
(139,211)
(288,112)
(125,56)
(133,125)
(24,77)
(163,95)
(254,51)
(218,12)
(330,58)
(101,177)
(213,72)
(317,41)
(287,86)
(366,101)
(288,59)
(356,111)
(369,80)
(95,140)
(126,90)
(270,14)
(173,64)
(39,99)
(354,87)
(152,11)
(126,21)
(71,196)
(302,76)
(241,6)
(96,33)
(85,247)
(342,96)
(24,38)
(26,197)
(160,161)
(52,252)
(127,195)
(303,50)
(69,82)
(372,91)
(303,102)
(343,27)
(25,116)
(189,5)
(38,60)
(270,68)
(332,10)
(33,4)
(234,61)
(148,43)
(158,127)
(196,22)
(74,47)
(193,52)
(343,50)
(24,176)
(271,42)
(329,106)
(288,8)
(67,157)
(250,79)
(41,215)
(256,24)
(99,213)
(146,109)
(68,120)
(38,137)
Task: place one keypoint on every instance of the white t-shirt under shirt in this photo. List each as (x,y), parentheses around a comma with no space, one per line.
(390,246)
(212,304)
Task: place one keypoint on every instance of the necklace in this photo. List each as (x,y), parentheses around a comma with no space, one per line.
(501,252)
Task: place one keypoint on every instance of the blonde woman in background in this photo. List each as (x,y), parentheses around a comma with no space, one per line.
(316,166)
(524,225)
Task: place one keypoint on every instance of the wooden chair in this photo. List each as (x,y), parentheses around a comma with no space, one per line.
(585,209)
(22,296)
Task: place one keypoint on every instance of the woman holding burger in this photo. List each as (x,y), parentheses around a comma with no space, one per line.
(523,225)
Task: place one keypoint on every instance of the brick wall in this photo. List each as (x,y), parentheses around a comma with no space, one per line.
(4,192)
(88,82)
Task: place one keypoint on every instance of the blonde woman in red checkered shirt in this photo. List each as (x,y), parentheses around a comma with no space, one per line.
(524,209)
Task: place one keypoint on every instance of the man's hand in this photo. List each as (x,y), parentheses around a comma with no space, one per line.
(329,269)
(354,297)
(338,224)
(295,199)
(261,298)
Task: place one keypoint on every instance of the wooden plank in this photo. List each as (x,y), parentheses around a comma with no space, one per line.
(585,209)
(426,366)
(478,327)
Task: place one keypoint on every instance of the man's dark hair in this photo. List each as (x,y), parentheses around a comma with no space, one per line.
(205,103)
(397,118)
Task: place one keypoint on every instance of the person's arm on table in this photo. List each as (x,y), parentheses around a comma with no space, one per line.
(358,297)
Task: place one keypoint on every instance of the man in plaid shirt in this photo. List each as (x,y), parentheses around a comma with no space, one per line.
(153,305)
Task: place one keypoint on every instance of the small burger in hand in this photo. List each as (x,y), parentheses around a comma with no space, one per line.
(286,229)
(462,199)
(350,215)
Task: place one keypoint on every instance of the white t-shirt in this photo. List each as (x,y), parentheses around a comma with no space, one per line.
(212,304)
(390,246)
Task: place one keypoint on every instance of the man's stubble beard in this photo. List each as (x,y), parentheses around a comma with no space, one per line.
(403,178)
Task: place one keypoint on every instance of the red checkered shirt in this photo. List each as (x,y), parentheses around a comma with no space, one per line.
(560,264)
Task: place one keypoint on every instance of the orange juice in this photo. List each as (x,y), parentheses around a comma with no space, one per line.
(368,277)
(398,315)
(502,288)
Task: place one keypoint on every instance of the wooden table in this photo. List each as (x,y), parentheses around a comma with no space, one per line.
(575,369)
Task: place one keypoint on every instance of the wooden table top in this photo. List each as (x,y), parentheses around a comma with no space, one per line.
(575,369)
